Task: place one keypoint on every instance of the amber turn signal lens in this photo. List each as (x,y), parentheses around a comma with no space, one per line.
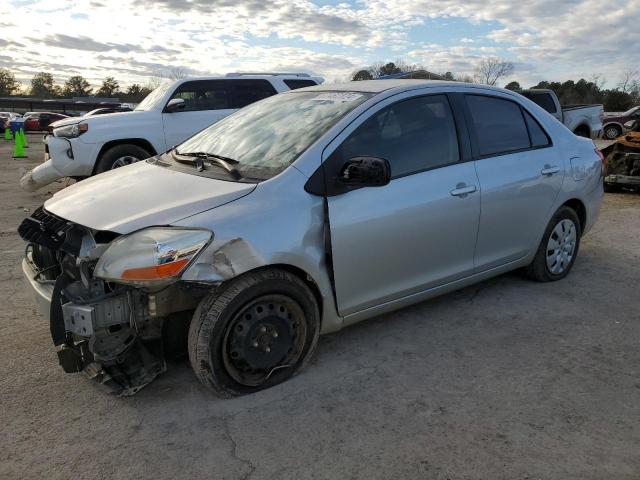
(156,273)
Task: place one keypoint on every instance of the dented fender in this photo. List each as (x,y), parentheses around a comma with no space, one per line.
(270,227)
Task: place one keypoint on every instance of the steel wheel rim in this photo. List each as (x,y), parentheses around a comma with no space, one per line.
(612,133)
(561,246)
(124,161)
(249,339)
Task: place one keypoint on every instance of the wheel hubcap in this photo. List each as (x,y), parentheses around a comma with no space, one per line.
(561,246)
(124,161)
(266,335)
(612,133)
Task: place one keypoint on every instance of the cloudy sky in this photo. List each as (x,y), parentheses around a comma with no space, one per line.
(136,40)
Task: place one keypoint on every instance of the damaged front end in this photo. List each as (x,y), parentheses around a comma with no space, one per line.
(114,331)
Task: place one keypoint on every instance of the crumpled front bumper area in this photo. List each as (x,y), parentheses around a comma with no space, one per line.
(103,330)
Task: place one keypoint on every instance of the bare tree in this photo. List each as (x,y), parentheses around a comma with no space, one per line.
(491,69)
(176,73)
(629,81)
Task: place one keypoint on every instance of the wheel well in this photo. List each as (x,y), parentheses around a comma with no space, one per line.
(578,207)
(139,142)
(302,275)
(582,129)
(612,124)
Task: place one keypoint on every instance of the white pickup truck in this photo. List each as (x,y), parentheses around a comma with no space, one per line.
(583,120)
(84,146)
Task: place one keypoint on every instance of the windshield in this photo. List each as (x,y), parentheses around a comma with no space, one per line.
(629,112)
(266,137)
(150,100)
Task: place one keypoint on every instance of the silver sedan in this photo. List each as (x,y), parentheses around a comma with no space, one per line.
(301,214)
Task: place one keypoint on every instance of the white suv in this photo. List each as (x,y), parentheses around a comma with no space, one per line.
(85,146)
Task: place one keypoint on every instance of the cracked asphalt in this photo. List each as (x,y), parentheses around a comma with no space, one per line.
(507,379)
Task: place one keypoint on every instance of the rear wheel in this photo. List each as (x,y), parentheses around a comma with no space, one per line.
(120,156)
(255,332)
(558,248)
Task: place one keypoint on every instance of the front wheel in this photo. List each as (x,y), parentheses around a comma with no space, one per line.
(558,248)
(254,332)
(120,156)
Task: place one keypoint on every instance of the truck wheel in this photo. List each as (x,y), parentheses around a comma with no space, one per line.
(253,332)
(119,156)
(558,248)
(611,132)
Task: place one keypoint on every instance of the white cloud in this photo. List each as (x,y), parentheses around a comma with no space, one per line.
(133,39)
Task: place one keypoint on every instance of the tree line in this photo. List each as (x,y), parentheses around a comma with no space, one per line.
(490,70)
(42,85)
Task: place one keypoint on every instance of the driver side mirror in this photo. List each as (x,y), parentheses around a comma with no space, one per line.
(175,105)
(365,172)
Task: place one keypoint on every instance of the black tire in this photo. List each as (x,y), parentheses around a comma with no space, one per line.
(612,188)
(538,269)
(214,336)
(611,132)
(108,158)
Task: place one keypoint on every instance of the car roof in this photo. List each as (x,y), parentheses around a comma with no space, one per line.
(397,85)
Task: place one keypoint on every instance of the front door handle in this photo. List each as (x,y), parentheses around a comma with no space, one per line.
(462,190)
(549,170)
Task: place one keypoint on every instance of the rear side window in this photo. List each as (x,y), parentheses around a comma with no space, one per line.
(249,91)
(294,84)
(413,135)
(204,95)
(538,137)
(498,123)
(544,99)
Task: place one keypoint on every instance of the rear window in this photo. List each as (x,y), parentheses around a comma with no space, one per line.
(249,91)
(293,84)
(499,125)
(545,100)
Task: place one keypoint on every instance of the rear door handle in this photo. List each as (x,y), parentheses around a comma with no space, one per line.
(549,170)
(462,190)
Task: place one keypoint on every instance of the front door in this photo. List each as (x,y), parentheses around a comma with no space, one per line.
(417,232)
(206,102)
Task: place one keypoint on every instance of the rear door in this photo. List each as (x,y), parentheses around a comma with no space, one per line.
(520,172)
(417,232)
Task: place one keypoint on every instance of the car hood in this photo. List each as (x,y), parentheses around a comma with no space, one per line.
(97,119)
(141,195)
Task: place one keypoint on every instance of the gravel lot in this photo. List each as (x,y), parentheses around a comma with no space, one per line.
(508,379)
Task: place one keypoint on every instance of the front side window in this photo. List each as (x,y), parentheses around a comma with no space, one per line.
(413,135)
(264,138)
(498,124)
(204,95)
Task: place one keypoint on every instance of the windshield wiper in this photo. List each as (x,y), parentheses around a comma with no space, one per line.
(225,162)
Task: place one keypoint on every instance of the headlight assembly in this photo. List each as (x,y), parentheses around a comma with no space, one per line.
(153,256)
(70,131)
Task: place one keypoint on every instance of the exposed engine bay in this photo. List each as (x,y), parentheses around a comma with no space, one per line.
(119,335)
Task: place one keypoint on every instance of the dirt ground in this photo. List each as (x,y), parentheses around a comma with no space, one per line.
(508,379)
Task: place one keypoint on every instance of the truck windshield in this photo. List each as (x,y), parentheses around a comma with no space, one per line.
(150,100)
(266,137)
